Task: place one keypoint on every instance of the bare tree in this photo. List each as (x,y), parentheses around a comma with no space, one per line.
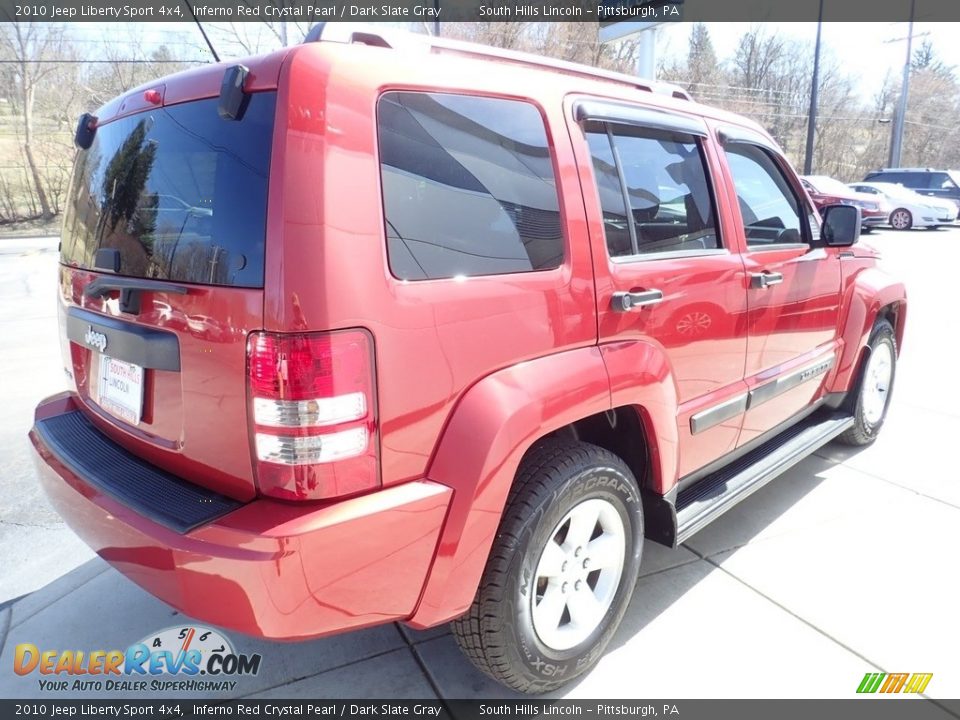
(33,46)
(233,39)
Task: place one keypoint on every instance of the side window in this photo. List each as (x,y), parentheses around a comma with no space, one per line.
(941,181)
(468,186)
(914,181)
(662,177)
(770,209)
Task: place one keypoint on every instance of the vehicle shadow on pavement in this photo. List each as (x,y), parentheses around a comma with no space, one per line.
(684,583)
(95,608)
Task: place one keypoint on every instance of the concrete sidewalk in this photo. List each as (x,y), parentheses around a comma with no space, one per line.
(845,565)
(834,570)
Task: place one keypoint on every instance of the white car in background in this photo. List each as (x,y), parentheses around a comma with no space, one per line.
(907,209)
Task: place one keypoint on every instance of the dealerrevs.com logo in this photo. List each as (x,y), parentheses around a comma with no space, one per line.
(191,658)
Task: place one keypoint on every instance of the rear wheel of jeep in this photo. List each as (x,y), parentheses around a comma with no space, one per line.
(561,570)
(869,405)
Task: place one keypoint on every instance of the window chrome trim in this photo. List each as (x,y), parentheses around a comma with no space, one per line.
(668,255)
(777,246)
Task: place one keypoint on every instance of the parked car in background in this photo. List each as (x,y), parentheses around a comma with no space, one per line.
(828,191)
(941,184)
(906,209)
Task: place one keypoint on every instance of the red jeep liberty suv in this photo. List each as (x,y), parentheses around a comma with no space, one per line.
(386,328)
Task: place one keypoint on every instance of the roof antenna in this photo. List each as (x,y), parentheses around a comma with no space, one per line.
(202,31)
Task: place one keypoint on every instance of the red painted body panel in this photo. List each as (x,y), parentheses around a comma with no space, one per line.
(194,84)
(180,408)
(434,338)
(697,334)
(866,290)
(271,569)
(494,424)
(470,372)
(790,325)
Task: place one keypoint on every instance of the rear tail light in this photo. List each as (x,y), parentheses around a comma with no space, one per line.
(313,413)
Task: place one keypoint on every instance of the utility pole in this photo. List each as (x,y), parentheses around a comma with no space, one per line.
(899,116)
(814,98)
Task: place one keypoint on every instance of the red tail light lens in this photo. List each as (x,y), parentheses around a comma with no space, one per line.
(312,408)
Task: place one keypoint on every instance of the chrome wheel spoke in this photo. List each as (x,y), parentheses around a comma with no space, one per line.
(549,609)
(877,379)
(551,562)
(585,610)
(605,551)
(582,524)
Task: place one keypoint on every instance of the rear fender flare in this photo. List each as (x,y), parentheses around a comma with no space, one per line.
(493,425)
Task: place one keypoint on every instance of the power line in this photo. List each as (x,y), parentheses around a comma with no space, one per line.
(109,62)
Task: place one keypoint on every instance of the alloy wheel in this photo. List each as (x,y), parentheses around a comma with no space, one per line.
(578,574)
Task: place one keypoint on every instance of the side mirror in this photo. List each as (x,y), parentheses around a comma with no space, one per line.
(841,225)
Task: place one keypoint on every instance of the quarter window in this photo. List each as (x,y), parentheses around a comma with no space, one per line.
(941,181)
(661,177)
(769,208)
(468,186)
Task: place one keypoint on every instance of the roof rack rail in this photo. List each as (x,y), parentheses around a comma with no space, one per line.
(368,34)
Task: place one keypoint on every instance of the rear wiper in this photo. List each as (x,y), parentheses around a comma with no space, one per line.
(130,289)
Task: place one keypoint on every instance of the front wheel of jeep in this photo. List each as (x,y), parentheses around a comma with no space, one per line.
(872,398)
(561,570)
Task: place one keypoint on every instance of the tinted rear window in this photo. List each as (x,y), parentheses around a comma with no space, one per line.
(468,186)
(180,192)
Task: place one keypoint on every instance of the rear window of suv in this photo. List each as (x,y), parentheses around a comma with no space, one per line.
(468,186)
(178,191)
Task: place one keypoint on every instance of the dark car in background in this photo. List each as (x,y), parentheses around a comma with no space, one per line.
(826,191)
(943,184)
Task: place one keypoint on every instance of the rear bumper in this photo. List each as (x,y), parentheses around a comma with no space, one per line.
(267,568)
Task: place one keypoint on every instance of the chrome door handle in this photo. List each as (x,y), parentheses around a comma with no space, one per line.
(627,301)
(765,279)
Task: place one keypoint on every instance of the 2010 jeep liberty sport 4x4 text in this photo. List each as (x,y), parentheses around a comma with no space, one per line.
(389,328)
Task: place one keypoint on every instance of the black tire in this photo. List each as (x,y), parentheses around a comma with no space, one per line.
(866,230)
(901,219)
(498,634)
(865,431)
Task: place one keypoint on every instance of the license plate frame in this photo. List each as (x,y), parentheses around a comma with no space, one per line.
(120,389)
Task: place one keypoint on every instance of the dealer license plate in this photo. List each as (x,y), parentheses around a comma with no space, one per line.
(121,389)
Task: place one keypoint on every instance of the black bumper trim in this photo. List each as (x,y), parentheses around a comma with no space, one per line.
(163,498)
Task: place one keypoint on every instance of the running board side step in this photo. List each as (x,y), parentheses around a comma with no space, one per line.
(702,503)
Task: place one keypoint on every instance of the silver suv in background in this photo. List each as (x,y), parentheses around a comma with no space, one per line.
(944,184)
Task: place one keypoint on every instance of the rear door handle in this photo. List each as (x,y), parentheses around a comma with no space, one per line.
(765,279)
(627,301)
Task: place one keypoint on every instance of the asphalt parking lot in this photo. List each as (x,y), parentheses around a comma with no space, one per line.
(843,566)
